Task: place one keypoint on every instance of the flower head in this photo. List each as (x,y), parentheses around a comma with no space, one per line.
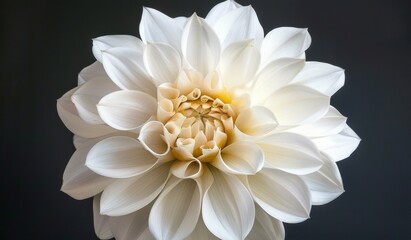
(205,129)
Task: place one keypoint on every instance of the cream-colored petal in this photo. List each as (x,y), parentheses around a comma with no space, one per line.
(284,42)
(187,169)
(120,157)
(266,227)
(282,195)
(256,121)
(201,232)
(296,104)
(179,220)
(125,67)
(152,138)
(219,10)
(228,209)
(159,28)
(330,124)
(69,116)
(103,43)
(127,109)
(79,181)
(238,25)
(274,76)
(81,141)
(326,184)
(95,70)
(162,62)
(291,153)
(88,95)
(242,158)
(125,196)
(101,222)
(132,226)
(339,146)
(239,63)
(322,77)
(200,45)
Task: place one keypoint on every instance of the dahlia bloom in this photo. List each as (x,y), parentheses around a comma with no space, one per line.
(205,128)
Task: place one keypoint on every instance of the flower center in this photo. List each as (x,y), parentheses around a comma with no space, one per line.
(197,125)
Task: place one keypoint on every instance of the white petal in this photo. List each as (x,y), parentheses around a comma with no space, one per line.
(266,227)
(326,184)
(181,21)
(162,62)
(152,138)
(332,123)
(322,77)
(132,226)
(284,42)
(274,76)
(219,10)
(159,28)
(187,169)
(200,45)
(239,63)
(256,121)
(201,232)
(101,222)
(88,95)
(339,146)
(284,196)
(242,158)
(81,141)
(125,196)
(238,25)
(119,157)
(127,109)
(125,67)
(80,182)
(95,70)
(68,114)
(175,213)
(228,208)
(291,153)
(105,42)
(295,104)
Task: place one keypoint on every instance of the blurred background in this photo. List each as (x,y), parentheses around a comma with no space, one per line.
(44,44)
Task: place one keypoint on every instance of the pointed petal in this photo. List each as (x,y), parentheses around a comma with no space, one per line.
(256,121)
(162,62)
(125,196)
(127,109)
(178,221)
(103,43)
(295,104)
(332,123)
(125,67)
(326,184)
(274,76)
(101,222)
(160,28)
(88,95)
(95,70)
(80,182)
(239,63)
(339,146)
(152,138)
(238,25)
(219,10)
(228,208)
(266,227)
(283,196)
(201,232)
(181,21)
(200,45)
(241,158)
(132,226)
(322,77)
(284,42)
(119,157)
(69,116)
(291,153)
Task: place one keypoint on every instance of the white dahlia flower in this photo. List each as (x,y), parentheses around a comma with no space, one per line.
(204,129)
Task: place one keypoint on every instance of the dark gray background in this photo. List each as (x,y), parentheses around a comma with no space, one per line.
(44,44)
